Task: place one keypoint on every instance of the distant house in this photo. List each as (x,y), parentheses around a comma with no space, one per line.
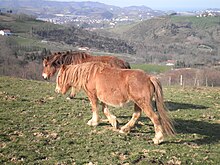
(83,48)
(5,32)
(170,62)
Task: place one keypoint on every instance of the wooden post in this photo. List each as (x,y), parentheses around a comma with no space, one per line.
(195,81)
(181,80)
(198,83)
(170,79)
(206,82)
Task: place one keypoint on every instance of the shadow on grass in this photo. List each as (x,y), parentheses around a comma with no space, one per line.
(210,131)
(173,106)
(80,99)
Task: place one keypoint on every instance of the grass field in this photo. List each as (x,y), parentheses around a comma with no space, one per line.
(198,22)
(41,127)
(151,68)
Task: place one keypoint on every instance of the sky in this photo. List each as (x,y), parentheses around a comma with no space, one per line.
(162,4)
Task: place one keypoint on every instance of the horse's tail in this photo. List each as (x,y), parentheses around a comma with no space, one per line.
(165,120)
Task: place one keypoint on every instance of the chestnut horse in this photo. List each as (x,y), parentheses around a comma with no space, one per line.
(115,87)
(52,63)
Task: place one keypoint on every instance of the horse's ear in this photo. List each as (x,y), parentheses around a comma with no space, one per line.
(45,58)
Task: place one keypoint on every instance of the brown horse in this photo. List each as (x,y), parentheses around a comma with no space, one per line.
(52,63)
(116,87)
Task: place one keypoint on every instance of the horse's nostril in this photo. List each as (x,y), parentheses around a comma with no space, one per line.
(45,77)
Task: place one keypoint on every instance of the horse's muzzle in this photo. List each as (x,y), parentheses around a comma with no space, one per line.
(45,76)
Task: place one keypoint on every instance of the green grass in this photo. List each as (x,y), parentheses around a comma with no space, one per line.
(28,42)
(38,126)
(151,68)
(23,24)
(120,29)
(21,27)
(198,22)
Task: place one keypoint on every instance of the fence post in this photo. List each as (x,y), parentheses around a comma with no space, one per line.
(206,82)
(170,79)
(195,82)
(181,80)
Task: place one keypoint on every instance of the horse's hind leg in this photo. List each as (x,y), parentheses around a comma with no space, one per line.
(95,116)
(148,110)
(111,118)
(137,113)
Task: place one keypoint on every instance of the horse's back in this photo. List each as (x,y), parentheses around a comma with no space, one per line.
(110,60)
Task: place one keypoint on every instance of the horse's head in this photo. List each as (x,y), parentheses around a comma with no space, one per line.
(48,69)
(62,84)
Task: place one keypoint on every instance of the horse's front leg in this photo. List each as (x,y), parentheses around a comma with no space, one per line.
(111,118)
(95,116)
(137,113)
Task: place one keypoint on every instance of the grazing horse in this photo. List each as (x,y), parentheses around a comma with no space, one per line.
(52,63)
(115,87)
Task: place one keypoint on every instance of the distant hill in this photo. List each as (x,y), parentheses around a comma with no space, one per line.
(79,37)
(189,40)
(84,14)
(85,8)
(30,27)
(21,53)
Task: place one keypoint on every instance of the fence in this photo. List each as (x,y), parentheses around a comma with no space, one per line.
(192,77)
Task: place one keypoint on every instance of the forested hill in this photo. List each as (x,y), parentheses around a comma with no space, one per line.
(80,37)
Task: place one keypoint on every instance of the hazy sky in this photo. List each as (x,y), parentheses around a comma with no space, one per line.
(162,4)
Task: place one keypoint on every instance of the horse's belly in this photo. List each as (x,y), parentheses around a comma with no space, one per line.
(113,97)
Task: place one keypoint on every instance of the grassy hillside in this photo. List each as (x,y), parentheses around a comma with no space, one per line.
(151,68)
(38,126)
(23,28)
(198,22)
(187,40)
(21,53)
(30,28)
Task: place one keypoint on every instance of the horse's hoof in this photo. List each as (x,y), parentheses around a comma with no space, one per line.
(92,123)
(125,130)
(157,141)
(121,131)
(70,98)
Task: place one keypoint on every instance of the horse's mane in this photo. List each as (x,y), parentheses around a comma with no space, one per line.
(78,75)
(77,57)
(67,58)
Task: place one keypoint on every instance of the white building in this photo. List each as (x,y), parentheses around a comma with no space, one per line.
(5,32)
